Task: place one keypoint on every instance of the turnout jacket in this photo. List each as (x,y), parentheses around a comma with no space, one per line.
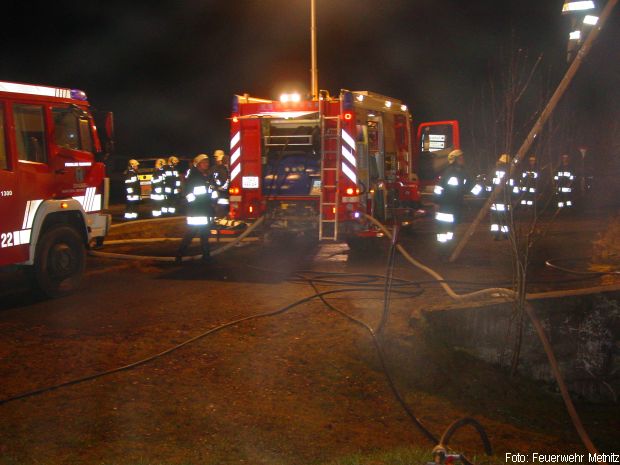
(199,193)
(132,185)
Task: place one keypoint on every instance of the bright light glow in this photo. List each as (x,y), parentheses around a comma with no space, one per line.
(388,104)
(577,6)
(575,35)
(35,90)
(444,217)
(350,191)
(590,20)
(359,97)
(403,108)
(293,97)
(198,220)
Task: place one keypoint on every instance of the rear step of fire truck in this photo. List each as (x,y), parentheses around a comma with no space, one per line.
(330,159)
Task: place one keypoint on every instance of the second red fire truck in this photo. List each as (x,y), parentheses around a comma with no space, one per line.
(52,187)
(316,167)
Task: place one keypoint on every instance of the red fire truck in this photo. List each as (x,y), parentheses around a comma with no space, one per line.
(315,167)
(51,186)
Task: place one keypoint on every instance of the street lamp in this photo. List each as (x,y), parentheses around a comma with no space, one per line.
(581,22)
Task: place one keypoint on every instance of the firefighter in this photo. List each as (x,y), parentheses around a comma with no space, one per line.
(132,190)
(500,207)
(528,185)
(157,188)
(221,179)
(199,193)
(172,186)
(564,182)
(449,196)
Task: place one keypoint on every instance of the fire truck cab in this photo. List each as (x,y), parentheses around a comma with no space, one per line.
(317,167)
(52,188)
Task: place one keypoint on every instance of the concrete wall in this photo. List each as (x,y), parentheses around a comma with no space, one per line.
(584,332)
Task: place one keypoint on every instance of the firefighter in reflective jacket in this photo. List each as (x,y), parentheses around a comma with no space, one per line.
(172,186)
(200,194)
(449,196)
(157,188)
(221,179)
(500,207)
(528,185)
(132,190)
(564,183)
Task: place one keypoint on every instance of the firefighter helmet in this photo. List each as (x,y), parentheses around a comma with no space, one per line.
(218,155)
(452,156)
(160,163)
(134,163)
(200,158)
(173,160)
(504,158)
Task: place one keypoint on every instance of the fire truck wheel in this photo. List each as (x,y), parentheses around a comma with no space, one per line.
(60,261)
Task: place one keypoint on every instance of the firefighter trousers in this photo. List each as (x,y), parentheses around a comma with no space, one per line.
(202,231)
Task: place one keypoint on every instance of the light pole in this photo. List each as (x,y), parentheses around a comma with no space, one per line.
(314,71)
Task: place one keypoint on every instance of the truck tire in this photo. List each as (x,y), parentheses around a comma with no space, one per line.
(60,261)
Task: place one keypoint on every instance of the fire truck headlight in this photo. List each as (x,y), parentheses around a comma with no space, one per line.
(357,215)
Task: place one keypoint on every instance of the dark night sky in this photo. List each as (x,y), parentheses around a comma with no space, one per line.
(168,69)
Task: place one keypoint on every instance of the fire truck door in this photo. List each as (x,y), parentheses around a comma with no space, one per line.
(435,141)
(24,176)
(72,148)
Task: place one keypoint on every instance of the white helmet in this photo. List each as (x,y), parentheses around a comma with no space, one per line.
(200,158)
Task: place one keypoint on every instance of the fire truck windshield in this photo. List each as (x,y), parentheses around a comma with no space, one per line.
(291,161)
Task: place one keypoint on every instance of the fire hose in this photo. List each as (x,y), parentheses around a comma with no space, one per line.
(509,294)
(219,250)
